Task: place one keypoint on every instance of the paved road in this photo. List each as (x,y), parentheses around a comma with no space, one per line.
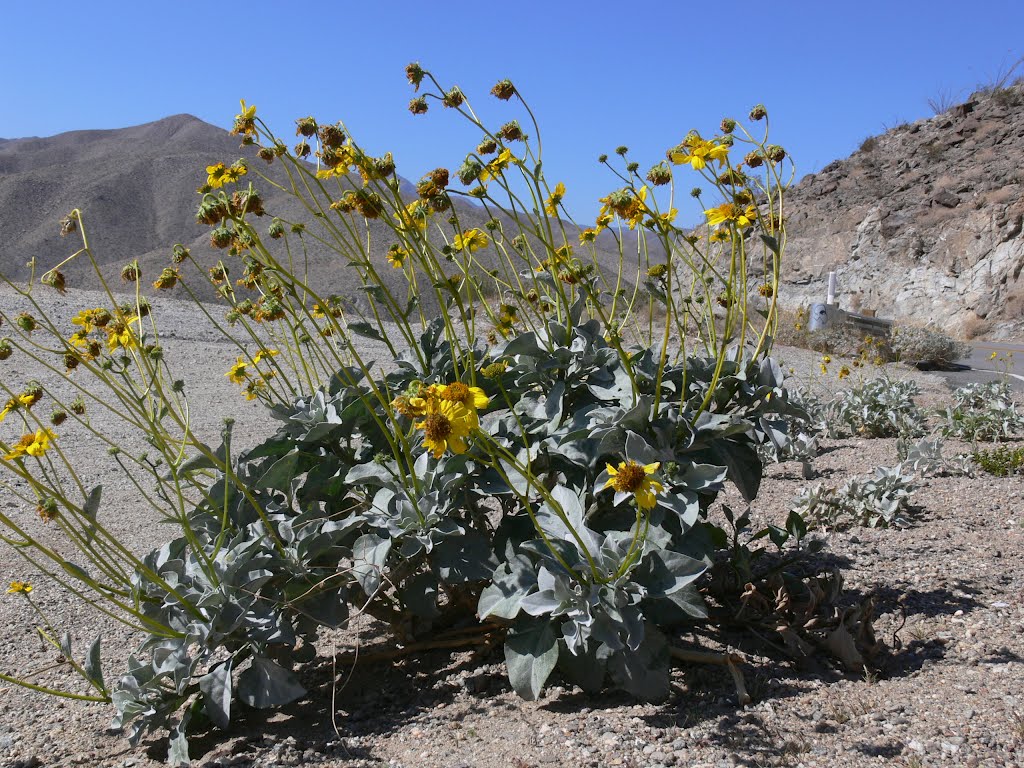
(980,367)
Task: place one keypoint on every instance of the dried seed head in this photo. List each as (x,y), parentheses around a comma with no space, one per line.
(503,90)
(68,225)
(418,106)
(55,279)
(305,126)
(414,72)
(454,98)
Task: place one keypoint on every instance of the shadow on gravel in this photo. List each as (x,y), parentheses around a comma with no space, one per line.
(930,603)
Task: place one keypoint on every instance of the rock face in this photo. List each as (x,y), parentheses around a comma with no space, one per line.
(923,223)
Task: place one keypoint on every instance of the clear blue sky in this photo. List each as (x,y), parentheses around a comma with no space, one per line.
(597,74)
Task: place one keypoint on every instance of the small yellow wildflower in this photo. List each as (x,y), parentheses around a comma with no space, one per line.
(471,240)
(396,256)
(33,444)
(446,428)
(827,359)
(720,235)
(696,152)
(215,175)
(588,236)
(634,478)
(844,372)
(498,165)
(237,373)
(265,354)
(19,587)
(554,199)
(10,407)
(730,212)
(120,334)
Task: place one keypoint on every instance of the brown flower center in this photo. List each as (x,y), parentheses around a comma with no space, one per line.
(630,478)
(437,427)
(456,392)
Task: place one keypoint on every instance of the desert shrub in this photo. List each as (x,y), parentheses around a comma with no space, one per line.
(879,407)
(537,456)
(869,144)
(982,412)
(879,500)
(1001,461)
(915,344)
(926,458)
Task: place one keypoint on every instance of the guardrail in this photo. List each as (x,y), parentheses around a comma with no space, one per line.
(824,316)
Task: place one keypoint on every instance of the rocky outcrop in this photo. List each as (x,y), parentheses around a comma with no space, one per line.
(923,223)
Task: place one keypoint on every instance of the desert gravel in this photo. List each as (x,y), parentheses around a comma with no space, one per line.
(949,692)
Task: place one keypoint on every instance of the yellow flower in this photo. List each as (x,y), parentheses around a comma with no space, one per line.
(215,175)
(720,235)
(696,152)
(993,356)
(665,219)
(31,445)
(414,216)
(588,236)
(457,392)
(264,354)
(446,428)
(236,374)
(554,199)
(10,407)
(91,319)
(19,587)
(234,172)
(120,334)
(827,359)
(471,240)
(254,388)
(634,478)
(730,212)
(603,221)
(497,165)
(844,372)
(396,256)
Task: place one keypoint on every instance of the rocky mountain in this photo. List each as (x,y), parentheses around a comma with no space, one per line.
(923,223)
(136,188)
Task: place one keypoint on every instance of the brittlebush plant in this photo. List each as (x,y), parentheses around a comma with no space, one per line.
(538,454)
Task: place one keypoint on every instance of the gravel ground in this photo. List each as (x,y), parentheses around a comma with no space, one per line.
(948,693)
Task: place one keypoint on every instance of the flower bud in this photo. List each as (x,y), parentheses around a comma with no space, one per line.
(6,350)
(659,175)
(418,106)
(26,322)
(179,253)
(758,112)
(58,417)
(77,406)
(276,229)
(266,154)
(728,125)
(621,150)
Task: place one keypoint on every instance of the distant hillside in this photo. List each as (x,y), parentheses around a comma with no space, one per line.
(136,187)
(922,223)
